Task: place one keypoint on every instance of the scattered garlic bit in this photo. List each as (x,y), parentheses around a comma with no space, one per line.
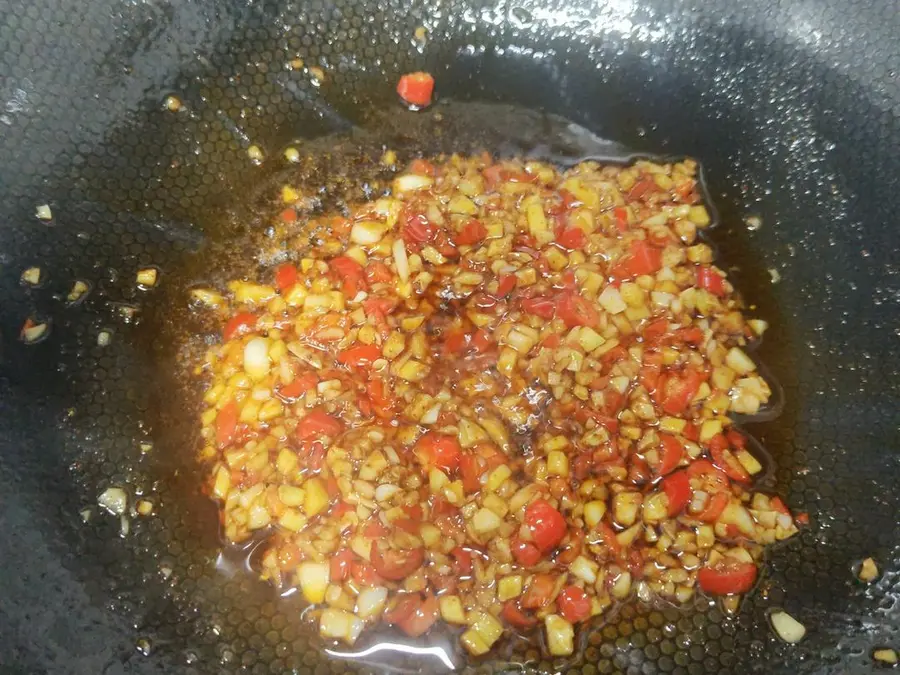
(104,337)
(295,64)
(86,515)
(411,182)
(114,500)
(207,297)
(124,526)
(127,312)
(79,290)
(33,331)
(32,276)
(255,153)
(787,627)
(313,578)
(560,635)
(256,358)
(147,277)
(421,34)
(753,223)
(317,74)
(868,570)
(758,326)
(44,213)
(289,195)
(775,274)
(389,158)
(341,625)
(886,656)
(144,507)
(173,103)
(291,154)
(371,601)
(146,447)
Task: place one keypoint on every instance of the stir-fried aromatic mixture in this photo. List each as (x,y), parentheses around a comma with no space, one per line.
(498,398)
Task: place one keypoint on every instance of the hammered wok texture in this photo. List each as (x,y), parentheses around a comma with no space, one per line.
(792,108)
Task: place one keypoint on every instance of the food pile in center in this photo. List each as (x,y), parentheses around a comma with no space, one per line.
(498,398)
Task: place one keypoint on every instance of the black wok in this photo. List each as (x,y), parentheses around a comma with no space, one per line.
(793,109)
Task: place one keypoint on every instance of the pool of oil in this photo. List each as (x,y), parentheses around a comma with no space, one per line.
(333,172)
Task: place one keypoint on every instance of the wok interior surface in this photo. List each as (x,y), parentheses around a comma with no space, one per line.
(791,108)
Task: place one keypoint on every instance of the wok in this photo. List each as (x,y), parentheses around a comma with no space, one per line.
(792,108)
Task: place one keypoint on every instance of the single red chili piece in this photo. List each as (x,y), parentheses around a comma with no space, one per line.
(574,310)
(396,565)
(654,330)
(778,505)
(552,341)
(539,592)
(481,341)
(298,386)
(378,273)
(609,538)
(574,604)
(540,306)
(641,188)
(289,215)
(364,574)
(691,432)
(351,274)
(340,509)
(456,342)
(422,618)
(680,391)
(318,423)
(713,478)
(417,229)
(422,167)
(724,459)
(286,275)
(505,284)
(238,325)
(473,232)
(470,470)
(677,487)
(375,529)
(710,280)
(408,525)
(692,335)
(671,453)
(379,307)
(226,423)
(525,553)
(416,88)
(515,616)
(340,564)
(621,215)
(714,508)
(331,484)
(415,512)
(382,401)
(546,524)
(360,356)
(571,238)
(406,605)
(642,258)
(462,561)
(439,450)
(727,577)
